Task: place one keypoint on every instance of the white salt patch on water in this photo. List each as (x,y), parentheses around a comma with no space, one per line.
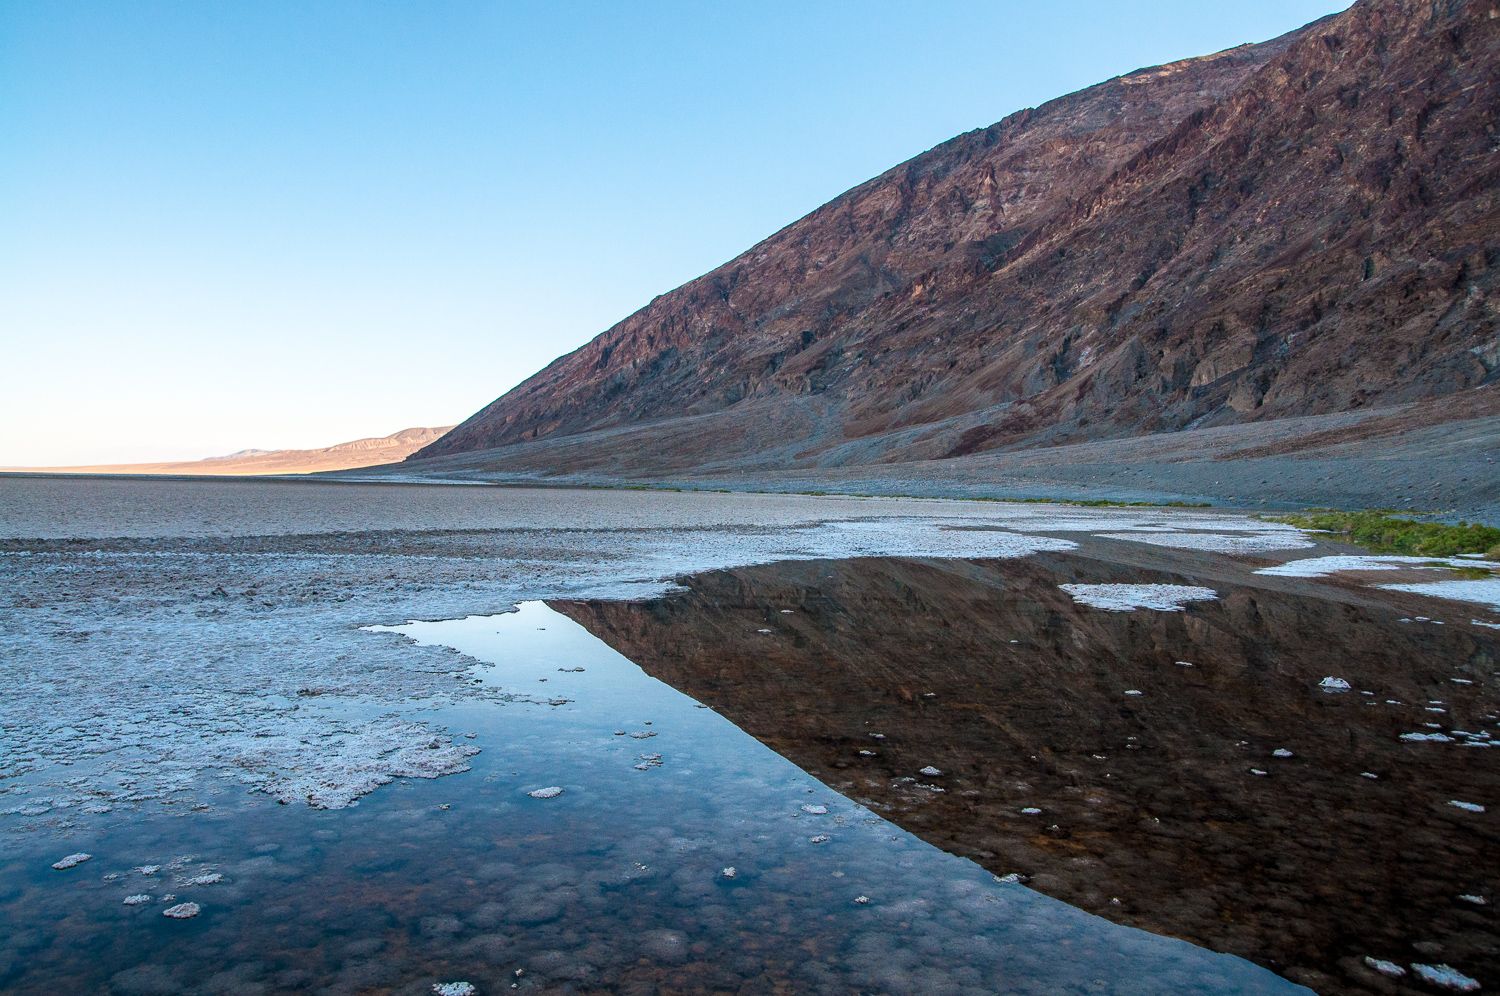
(814,810)
(1449,978)
(453,989)
(1128,597)
(182,911)
(213,878)
(1013,878)
(1368,774)
(1476,900)
(1031,811)
(1472,807)
(929,770)
(71,861)
(1436,738)
(1486,592)
(1216,543)
(1281,752)
(550,792)
(1385,967)
(1321,567)
(1332,684)
(821,838)
(148,869)
(730,872)
(137,899)
(1134,691)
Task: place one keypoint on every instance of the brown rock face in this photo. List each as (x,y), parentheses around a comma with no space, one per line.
(1299,227)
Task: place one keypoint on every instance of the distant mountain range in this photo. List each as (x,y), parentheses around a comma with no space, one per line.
(1300,227)
(247,463)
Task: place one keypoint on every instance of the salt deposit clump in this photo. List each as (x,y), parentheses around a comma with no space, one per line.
(1332,685)
(929,770)
(814,810)
(182,911)
(71,861)
(1385,967)
(550,792)
(453,989)
(1472,807)
(1129,597)
(137,899)
(1448,978)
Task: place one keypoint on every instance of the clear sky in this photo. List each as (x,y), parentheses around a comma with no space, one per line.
(288,224)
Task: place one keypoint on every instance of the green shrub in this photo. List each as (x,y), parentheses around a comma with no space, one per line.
(1382,532)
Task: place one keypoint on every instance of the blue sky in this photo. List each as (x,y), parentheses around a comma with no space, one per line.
(275,224)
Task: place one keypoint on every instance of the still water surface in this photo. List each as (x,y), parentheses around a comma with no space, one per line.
(621,882)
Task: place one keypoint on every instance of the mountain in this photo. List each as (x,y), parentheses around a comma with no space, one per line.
(1301,227)
(248,463)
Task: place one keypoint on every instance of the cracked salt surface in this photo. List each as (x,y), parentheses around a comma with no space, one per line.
(1129,597)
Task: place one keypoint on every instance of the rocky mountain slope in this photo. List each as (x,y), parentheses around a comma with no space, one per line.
(369,452)
(1300,227)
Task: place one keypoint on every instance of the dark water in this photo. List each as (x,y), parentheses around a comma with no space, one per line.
(617,884)
(1185,772)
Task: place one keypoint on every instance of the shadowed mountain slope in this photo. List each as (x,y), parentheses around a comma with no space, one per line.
(1301,227)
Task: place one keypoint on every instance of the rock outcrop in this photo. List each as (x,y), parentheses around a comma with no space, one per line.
(1300,227)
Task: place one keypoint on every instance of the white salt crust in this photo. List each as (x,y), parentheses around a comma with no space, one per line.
(1285,538)
(1129,597)
(1322,567)
(1485,592)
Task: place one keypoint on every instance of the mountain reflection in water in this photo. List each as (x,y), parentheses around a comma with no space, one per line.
(1177,809)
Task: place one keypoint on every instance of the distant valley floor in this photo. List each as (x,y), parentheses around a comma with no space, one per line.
(1437,456)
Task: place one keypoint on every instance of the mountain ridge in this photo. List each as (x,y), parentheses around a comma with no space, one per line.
(355,454)
(1298,227)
